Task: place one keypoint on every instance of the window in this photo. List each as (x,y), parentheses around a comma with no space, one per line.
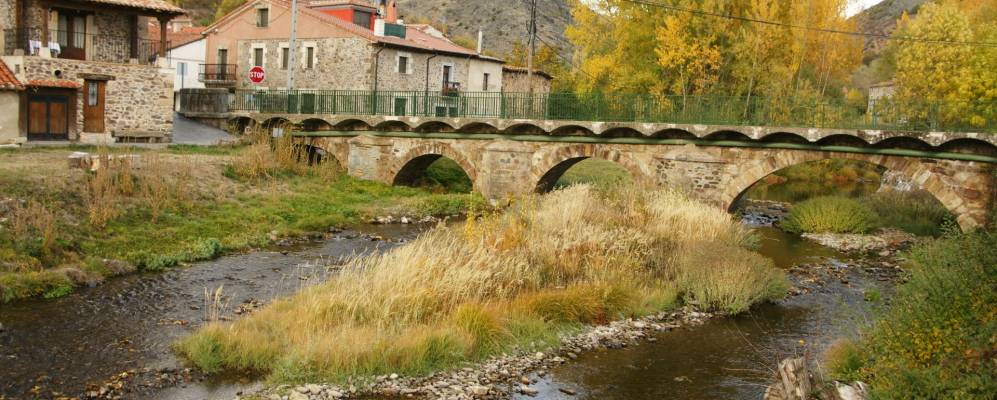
(362,18)
(403,64)
(91,93)
(258,57)
(222,56)
(309,57)
(262,17)
(484,83)
(446,74)
(285,55)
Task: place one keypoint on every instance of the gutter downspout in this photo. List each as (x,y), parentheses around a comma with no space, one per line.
(425,95)
(377,66)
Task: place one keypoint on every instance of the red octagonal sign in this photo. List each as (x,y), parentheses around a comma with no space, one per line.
(256,74)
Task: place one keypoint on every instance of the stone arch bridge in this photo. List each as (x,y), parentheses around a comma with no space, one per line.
(717,163)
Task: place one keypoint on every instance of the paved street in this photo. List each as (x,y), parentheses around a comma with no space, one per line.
(188,131)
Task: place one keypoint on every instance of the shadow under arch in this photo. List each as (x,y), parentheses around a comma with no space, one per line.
(409,168)
(969,146)
(525,129)
(552,165)
(903,142)
(621,132)
(275,122)
(673,133)
(910,168)
(478,127)
(572,130)
(315,124)
(728,135)
(842,140)
(434,126)
(241,125)
(784,137)
(315,155)
(393,126)
(352,125)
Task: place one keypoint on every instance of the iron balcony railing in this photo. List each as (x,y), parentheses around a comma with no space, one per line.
(883,114)
(217,73)
(81,46)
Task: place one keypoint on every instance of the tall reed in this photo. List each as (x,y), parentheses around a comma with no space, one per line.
(501,282)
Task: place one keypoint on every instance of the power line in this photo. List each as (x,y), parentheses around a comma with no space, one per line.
(794,26)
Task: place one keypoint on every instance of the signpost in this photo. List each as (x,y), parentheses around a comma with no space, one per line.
(257,74)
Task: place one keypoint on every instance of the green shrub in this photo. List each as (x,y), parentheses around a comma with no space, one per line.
(844,361)
(917,212)
(937,339)
(830,214)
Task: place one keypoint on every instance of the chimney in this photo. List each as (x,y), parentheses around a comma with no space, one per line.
(481,38)
(391,12)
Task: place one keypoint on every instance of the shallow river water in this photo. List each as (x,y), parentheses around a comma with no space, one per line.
(65,346)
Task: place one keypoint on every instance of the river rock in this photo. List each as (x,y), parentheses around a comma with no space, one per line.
(856,391)
(882,240)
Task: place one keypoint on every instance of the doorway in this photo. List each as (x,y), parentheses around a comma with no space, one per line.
(48,116)
(93,107)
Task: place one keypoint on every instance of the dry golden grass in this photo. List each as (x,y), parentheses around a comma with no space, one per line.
(502,281)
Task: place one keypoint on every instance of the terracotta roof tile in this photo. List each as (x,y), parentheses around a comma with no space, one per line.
(151,5)
(7,79)
(186,35)
(54,83)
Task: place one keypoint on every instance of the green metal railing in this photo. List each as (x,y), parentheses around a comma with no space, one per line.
(885,114)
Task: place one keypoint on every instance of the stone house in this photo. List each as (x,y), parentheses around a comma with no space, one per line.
(91,72)
(10,103)
(344,45)
(882,90)
(517,80)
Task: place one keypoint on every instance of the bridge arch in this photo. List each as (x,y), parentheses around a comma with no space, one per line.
(408,168)
(674,133)
(393,126)
(903,142)
(969,146)
(525,128)
(434,126)
(572,130)
(842,140)
(728,135)
(315,124)
(621,132)
(274,122)
(922,173)
(784,137)
(241,124)
(478,127)
(548,166)
(353,124)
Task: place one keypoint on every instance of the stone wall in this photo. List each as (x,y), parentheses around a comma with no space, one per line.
(341,63)
(7,16)
(139,98)
(517,82)
(10,131)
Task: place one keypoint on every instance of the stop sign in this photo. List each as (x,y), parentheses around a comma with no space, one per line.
(256,74)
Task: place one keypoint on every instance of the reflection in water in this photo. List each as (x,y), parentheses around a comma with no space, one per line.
(727,358)
(65,344)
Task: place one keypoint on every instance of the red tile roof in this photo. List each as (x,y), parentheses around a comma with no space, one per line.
(7,79)
(151,5)
(186,35)
(54,83)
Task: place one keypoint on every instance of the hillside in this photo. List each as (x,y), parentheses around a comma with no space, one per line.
(882,19)
(503,22)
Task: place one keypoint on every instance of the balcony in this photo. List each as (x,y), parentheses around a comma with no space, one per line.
(81,46)
(451,88)
(217,74)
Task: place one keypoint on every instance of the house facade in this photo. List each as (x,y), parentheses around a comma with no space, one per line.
(185,53)
(343,45)
(10,106)
(518,80)
(90,71)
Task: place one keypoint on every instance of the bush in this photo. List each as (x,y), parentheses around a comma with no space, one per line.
(917,212)
(937,339)
(830,214)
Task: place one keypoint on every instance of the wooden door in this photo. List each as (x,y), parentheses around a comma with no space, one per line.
(48,117)
(93,106)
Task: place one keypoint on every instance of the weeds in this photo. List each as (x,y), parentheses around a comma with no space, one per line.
(830,214)
(502,282)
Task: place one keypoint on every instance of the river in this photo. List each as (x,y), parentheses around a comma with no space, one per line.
(69,345)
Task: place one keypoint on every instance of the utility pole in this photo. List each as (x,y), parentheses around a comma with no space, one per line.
(531,46)
(292,49)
